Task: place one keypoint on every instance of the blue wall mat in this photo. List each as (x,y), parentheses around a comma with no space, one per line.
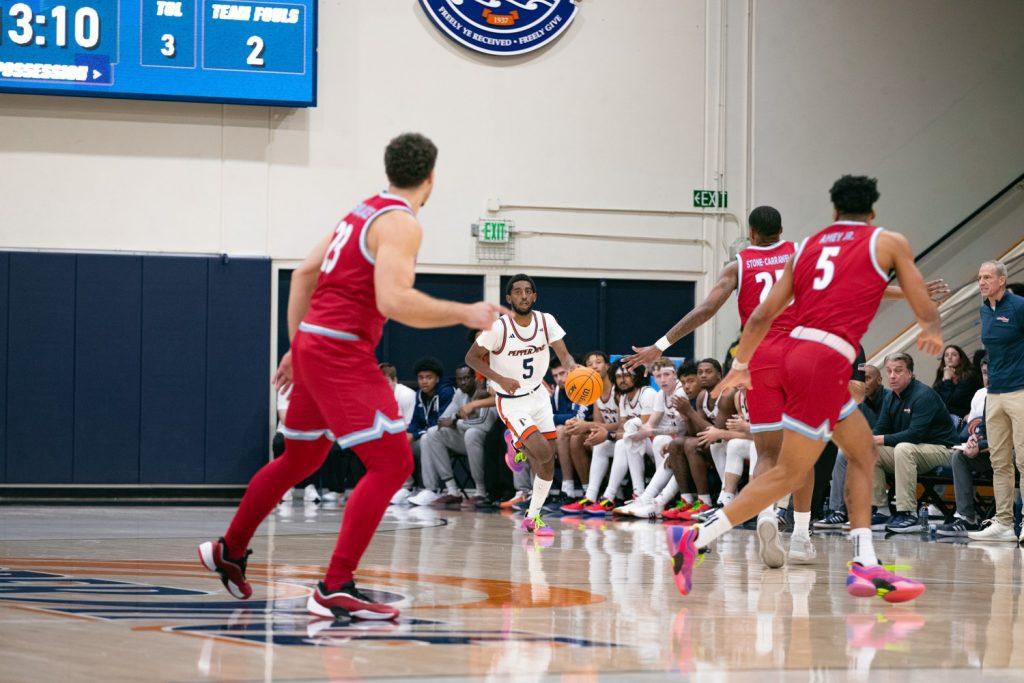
(173,376)
(403,346)
(284,286)
(238,369)
(108,330)
(5,262)
(41,368)
(640,311)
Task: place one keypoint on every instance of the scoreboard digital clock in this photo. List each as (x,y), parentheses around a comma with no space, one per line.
(234,51)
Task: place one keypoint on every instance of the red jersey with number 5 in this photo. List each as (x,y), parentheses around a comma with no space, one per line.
(760,269)
(837,281)
(345,299)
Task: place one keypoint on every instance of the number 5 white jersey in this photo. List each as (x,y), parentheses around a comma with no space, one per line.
(521,353)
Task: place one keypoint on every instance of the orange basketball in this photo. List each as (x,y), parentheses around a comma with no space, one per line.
(583,386)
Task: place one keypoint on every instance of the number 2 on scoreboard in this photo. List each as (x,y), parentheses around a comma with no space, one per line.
(256,56)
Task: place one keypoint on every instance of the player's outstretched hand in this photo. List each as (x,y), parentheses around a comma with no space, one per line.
(481,315)
(938,290)
(644,356)
(283,375)
(735,378)
(929,340)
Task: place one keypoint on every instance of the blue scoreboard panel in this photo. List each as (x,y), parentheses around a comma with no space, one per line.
(237,51)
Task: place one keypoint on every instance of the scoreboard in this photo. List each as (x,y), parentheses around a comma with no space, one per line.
(233,51)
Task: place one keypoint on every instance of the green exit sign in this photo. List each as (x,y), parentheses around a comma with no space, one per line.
(710,199)
(493,232)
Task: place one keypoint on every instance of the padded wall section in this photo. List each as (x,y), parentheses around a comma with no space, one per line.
(238,369)
(173,370)
(5,262)
(108,330)
(638,312)
(403,346)
(40,368)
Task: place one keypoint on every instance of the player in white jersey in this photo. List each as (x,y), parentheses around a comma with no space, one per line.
(519,349)
(636,405)
(665,424)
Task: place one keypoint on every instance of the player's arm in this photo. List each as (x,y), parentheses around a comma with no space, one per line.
(728,280)
(560,349)
(476,358)
(394,240)
(754,332)
(718,429)
(894,252)
(938,291)
(698,421)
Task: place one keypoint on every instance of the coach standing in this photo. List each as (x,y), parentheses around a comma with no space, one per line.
(1002,333)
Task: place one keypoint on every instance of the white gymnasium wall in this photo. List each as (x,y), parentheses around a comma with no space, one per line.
(927,95)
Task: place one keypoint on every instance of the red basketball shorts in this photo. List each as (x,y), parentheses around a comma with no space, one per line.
(816,381)
(339,393)
(766,398)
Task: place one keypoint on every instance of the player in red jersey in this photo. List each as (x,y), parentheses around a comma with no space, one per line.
(752,275)
(352,282)
(835,282)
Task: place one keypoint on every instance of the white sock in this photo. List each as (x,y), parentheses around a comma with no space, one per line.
(802,524)
(688,498)
(453,490)
(724,498)
(568,486)
(863,548)
(540,494)
(706,499)
(717,526)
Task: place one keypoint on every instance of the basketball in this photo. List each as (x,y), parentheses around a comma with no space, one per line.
(583,386)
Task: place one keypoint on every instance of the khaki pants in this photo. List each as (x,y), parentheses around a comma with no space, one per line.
(1004,421)
(905,461)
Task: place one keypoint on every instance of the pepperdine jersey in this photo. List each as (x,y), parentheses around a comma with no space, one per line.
(670,419)
(521,353)
(838,283)
(344,303)
(759,269)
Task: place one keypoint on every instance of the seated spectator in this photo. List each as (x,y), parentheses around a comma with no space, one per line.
(870,395)
(970,460)
(913,435)
(462,428)
(665,424)
(564,410)
(956,381)
(687,458)
(432,399)
(732,427)
(404,396)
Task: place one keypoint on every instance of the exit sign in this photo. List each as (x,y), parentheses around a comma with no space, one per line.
(710,199)
(493,231)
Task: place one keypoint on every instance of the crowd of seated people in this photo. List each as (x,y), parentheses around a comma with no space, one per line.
(656,445)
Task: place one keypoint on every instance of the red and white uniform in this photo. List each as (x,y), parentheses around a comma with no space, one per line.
(759,269)
(339,390)
(837,287)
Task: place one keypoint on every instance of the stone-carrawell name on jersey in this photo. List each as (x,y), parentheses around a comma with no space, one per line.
(501,27)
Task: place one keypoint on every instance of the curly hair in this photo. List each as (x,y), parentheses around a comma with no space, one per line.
(854,194)
(409,160)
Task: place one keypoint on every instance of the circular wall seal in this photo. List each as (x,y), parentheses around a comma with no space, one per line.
(501,27)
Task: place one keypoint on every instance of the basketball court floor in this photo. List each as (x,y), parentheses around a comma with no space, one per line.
(116,594)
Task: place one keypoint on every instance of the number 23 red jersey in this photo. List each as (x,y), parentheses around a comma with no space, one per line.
(838,283)
(760,269)
(344,303)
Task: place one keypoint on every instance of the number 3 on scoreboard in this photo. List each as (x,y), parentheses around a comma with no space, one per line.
(256,56)
(168,49)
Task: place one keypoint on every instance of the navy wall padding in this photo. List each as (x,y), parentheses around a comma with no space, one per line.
(640,311)
(173,370)
(403,346)
(284,288)
(108,331)
(238,370)
(40,368)
(5,261)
